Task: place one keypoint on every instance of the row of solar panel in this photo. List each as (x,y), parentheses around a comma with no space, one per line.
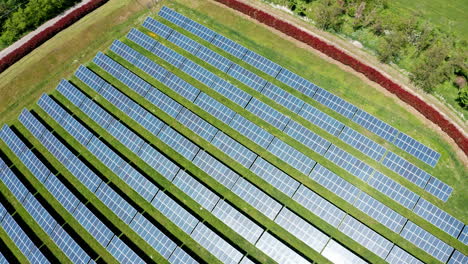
(310,113)
(324,97)
(338,156)
(245,157)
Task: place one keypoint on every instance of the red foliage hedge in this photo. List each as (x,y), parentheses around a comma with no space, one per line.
(48,33)
(428,111)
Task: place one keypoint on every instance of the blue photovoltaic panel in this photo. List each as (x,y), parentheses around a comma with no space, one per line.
(464,235)
(180,256)
(116,203)
(282,97)
(458,258)
(336,253)
(380,212)
(375,125)
(14,185)
(438,189)
(417,149)
(398,256)
(182,87)
(184,42)
(251,131)
(307,137)
(178,142)
(237,221)
(275,176)
(196,190)
(61,193)
(234,149)
(335,103)
(406,169)
(216,245)
(257,198)
(93,225)
(215,169)
(301,229)
(366,236)
(297,82)
(172,16)
(219,62)
(426,241)
(319,206)
(143,40)
(291,156)
(231,92)
(267,113)
(199,30)
(158,161)
(362,143)
(393,189)
(321,119)
(247,77)
(438,217)
(262,63)
(157,27)
(334,183)
(350,163)
(278,251)
(229,46)
(156,48)
(73,251)
(122,252)
(199,73)
(197,124)
(214,108)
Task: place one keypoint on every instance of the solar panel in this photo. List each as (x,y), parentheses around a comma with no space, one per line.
(199,30)
(291,156)
(335,103)
(199,73)
(417,149)
(116,203)
(438,217)
(178,142)
(158,161)
(426,241)
(380,212)
(398,255)
(157,27)
(275,176)
(406,169)
(438,189)
(73,251)
(278,251)
(142,39)
(261,63)
(172,16)
(234,149)
(334,183)
(61,193)
(307,137)
(458,258)
(184,42)
(182,87)
(375,125)
(267,113)
(349,163)
(217,246)
(219,62)
(321,119)
(151,234)
(246,77)
(251,131)
(237,221)
(229,46)
(93,225)
(297,82)
(14,185)
(215,169)
(39,213)
(231,92)
(319,206)
(393,189)
(301,229)
(366,236)
(338,254)
(122,252)
(464,235)
(257,198)
(282,97)
(180,256)
(197,191)
(197,124)
(362,143)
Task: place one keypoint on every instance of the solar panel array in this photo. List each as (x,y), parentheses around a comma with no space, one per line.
(68,126)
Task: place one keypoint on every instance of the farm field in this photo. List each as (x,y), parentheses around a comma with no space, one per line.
(179,148)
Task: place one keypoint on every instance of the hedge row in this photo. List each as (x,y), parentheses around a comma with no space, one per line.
(424,108)
(48,33)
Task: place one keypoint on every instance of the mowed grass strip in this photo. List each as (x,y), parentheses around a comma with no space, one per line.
(299,146)
(88,241)
(301,61)
(129,194)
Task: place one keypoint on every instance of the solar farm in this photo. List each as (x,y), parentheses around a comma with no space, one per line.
(181,145)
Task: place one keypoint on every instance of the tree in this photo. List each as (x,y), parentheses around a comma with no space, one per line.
(463,97)
(328,15)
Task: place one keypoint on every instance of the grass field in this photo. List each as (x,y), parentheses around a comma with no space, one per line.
(40,72)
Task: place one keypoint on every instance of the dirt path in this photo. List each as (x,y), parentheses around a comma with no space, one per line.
(369,60)
(47,24)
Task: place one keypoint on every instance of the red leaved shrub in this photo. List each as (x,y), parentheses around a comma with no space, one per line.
(428,111)
(48,33)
